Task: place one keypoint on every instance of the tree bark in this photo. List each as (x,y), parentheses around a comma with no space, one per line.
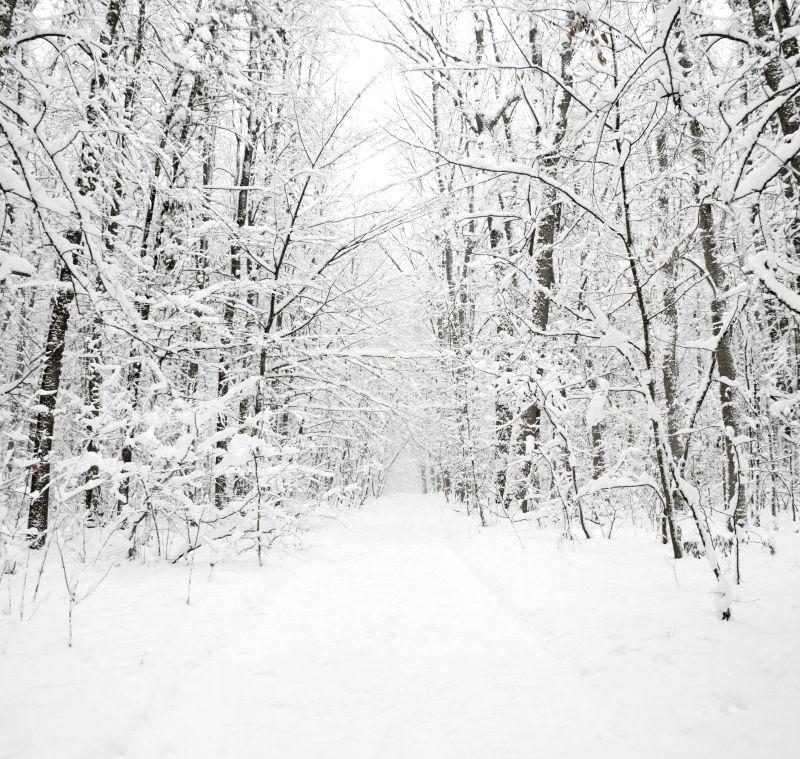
(541,246)
(724,357)
(42,430)
(237,255)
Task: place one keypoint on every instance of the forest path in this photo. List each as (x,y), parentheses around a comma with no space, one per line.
(381,643)
(406,631)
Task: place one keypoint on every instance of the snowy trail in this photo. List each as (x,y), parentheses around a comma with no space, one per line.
(406,632)
(395,650)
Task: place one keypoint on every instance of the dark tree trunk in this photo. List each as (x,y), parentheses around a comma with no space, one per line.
(7,8)
(541,246)
(42,430)
(726,363)
(93,381)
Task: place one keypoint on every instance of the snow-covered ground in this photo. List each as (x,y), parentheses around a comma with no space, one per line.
(406,631)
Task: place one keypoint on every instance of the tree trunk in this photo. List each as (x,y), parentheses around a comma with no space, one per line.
(664,461)
(7,8)
(237,255)
(42,431)
(726,363)
(541,246)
